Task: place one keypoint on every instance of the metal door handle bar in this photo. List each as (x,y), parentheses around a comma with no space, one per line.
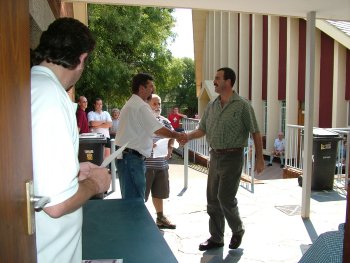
(39,202)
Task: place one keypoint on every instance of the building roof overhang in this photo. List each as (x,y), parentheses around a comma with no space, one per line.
(325,9)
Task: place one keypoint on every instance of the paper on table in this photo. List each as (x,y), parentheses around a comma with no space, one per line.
(114,155)
(161,149)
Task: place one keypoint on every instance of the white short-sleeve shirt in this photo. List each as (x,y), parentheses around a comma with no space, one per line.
(55,144)
(100,116)
(279,144)
(137,125)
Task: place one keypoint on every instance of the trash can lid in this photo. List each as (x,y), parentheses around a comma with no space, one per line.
(92,137)
(319,132)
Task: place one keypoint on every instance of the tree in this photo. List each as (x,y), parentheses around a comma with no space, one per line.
(128,40)
(184,94)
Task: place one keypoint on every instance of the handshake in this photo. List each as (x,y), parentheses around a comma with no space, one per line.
(182,138)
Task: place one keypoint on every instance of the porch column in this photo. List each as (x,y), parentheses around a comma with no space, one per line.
(339,78)
(292,71)
(273,105)
(309,106)
(243,56)
(257,33)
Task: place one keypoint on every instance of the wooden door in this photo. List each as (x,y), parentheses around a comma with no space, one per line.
(15,132)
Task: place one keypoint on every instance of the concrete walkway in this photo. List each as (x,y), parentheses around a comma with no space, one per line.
(275,231)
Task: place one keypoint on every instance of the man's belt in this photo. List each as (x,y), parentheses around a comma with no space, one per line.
(134,152)
(227,150)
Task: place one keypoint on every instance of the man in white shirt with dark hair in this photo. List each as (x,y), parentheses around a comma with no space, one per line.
(137,125)
(58,64)
(100,121)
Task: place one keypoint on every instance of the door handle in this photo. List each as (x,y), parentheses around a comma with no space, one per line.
(39,202)
(34,203)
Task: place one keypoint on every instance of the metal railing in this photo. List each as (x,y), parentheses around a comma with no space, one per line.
(294,147)
(342,159)
(201,147)
(294,152)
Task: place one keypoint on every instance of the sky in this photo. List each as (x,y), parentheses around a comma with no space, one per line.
(183,45)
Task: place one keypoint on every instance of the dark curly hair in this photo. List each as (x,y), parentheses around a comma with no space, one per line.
(63,43)
(140,79)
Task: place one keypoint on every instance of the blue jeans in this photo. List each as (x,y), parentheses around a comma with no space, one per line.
(132,180)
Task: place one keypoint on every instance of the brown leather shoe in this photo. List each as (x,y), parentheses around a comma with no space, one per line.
(164,222)
(209,245)
(236,240)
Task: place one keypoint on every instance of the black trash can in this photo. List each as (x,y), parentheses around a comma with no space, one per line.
(325,144)
(91,147)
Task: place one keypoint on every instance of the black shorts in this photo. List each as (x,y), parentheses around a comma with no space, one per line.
(108,143)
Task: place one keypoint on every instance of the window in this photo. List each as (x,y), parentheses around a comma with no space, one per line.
(265,117)
(283,116)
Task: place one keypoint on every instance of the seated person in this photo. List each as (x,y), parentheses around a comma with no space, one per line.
(328,247)
(278,149)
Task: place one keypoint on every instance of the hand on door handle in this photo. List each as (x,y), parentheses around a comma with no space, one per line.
(40,202)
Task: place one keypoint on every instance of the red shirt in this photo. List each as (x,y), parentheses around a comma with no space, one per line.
(174,120)
(82,121)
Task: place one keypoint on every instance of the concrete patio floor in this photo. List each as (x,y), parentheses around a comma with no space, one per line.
(275,231)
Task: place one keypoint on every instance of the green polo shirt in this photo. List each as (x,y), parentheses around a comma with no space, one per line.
(228,126)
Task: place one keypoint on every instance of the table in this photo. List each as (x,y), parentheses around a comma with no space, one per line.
(122,228)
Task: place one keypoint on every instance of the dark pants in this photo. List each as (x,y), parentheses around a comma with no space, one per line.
(222,186)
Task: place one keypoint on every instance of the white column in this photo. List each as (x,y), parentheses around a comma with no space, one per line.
(273,105)
(309,103)
(244,56)
(339,104)
(205,71)
(217,43)
(225,31)
(211,44)
(257,34)
(292,71)
(232,51)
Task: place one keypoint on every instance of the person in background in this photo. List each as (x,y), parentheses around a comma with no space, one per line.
(226,122)
(278,149)
(137,125)
(115,123)
(157,169)
(100,121)
(82,122)
(58,63)
(175,117)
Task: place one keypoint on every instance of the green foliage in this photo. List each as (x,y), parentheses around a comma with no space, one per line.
(130,40)
(184,94)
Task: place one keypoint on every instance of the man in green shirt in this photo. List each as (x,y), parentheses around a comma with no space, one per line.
(226,122)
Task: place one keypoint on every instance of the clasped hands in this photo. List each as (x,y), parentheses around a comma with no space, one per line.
(182,138)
